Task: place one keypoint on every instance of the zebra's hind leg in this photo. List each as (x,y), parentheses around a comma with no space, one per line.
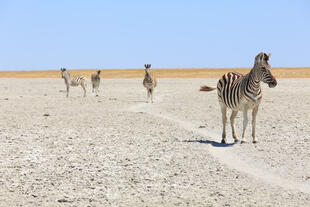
(245,123)
(84,87)
(254,113)
(232,122)
(224,120)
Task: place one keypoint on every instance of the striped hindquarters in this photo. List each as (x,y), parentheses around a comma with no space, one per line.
(77,80)
(229,89)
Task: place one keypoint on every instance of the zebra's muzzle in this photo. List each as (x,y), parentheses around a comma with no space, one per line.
(273,83)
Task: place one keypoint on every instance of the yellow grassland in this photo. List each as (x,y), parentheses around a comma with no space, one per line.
(160,73)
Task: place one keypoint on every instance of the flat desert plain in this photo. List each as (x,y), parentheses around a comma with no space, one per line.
(117,150)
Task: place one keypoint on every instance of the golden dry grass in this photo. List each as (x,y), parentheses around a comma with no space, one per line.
(160,73)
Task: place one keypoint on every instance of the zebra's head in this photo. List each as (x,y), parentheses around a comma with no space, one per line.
(147,70)
(62,72)
(264,69)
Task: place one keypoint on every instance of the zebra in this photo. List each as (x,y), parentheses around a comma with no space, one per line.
(75,81)
(149,82)
(242,93)
(95,79)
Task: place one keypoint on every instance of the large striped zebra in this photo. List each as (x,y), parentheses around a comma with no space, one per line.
(149,82)
(95,79)
(75,81)
(242,93)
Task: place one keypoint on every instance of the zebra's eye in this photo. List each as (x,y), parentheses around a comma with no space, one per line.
(264,69)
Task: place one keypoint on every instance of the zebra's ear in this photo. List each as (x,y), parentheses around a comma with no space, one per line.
(262,57)
(269,54)
(259,58)
(145,65)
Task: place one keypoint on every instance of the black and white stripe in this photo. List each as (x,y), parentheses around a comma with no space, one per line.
(73,81)
(243,92)
(149,82)
(95,79)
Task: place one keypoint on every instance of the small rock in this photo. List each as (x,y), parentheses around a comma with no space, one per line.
(63,200)
(46,114)
(6,99)
(202,126)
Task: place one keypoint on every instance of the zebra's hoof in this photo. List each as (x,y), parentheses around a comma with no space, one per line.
(223,141)
(236,140)
(254,142)
(243,142)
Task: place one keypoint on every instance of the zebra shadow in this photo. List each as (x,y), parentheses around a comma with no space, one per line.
(213,143)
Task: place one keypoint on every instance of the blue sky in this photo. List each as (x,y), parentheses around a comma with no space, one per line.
(39,35)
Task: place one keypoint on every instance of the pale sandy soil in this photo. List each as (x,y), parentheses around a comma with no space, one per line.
(117,150)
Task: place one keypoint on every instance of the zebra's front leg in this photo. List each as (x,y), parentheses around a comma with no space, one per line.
(245,123)
(232,122)
(148,95)
(68,88)
(224,120)
(254,113)
(152,92)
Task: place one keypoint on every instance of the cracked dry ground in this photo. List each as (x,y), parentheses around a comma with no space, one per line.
(95,152)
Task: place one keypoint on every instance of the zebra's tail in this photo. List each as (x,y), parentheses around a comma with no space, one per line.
(207,88)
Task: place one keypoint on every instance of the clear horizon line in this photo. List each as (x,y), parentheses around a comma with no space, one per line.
(179,68)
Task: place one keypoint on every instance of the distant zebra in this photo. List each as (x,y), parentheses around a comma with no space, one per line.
(95,79)
(149,82)
(243,92)
(75,81)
